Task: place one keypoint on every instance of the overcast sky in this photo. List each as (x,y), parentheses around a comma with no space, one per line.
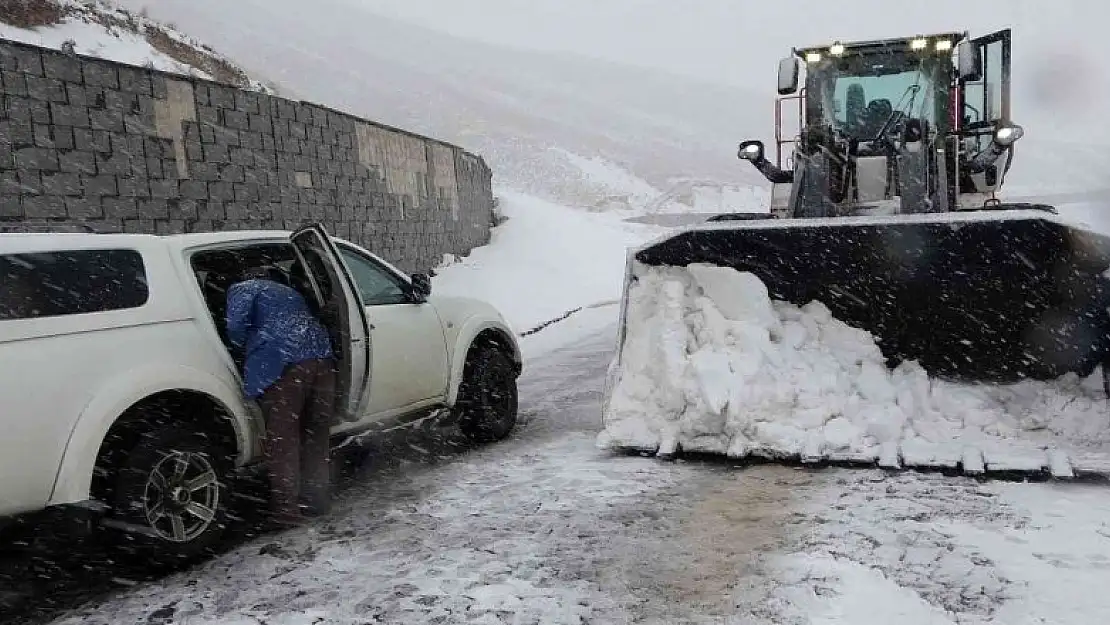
(716,38)
(1061,79)
(1058,50)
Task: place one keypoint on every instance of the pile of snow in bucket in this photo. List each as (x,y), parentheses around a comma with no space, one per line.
(711,364)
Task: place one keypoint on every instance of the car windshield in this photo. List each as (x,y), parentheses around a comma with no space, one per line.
(858,93)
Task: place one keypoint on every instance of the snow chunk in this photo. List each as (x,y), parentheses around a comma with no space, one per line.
(711,363)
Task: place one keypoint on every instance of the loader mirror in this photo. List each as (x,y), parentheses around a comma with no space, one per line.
(788,75)
(969,61)
(751,151)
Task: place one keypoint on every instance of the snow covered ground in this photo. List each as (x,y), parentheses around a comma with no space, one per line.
(93,39)
(545,528)
(545,261)
(102,29)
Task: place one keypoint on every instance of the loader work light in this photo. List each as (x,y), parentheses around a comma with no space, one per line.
(837,49)
(919,43)
(812,57)
(1007,134)
(943,45)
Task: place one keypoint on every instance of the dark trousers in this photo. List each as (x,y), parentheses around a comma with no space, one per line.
(298,410)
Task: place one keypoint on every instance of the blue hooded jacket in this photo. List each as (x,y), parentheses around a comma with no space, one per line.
(275,326)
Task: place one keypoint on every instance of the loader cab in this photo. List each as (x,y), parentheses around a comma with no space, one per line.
(890,126)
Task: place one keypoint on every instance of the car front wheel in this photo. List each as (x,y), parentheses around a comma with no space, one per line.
(173,486)
(487,402)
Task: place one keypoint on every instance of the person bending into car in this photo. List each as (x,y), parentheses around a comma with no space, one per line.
(289,369)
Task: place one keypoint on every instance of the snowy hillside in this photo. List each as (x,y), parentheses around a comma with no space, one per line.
(522,111)
(101,29)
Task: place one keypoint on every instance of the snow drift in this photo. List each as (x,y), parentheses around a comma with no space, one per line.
(710,363)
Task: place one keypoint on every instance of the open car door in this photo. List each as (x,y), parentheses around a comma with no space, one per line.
(985,102)
(341,309)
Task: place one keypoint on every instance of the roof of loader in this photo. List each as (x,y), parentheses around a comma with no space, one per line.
(859,46)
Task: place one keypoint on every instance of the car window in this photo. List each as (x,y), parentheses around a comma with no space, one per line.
(55,284)
(376,285)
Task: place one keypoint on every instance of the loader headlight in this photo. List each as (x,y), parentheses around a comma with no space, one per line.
(943,45)
(1007,134)
(812,57)
(750,151)
(919,43)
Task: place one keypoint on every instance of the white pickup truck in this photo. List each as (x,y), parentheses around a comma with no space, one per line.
(119,391)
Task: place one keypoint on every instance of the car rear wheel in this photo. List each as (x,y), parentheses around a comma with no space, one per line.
(173,487)
(488,395)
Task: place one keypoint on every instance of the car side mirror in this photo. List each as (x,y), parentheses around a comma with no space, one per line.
(788,75)
(969,61)
(421,286)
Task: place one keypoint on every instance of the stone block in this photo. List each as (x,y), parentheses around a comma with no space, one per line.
(211,211)
(183,209)
(36,158)
(194,151)
(169,226)
(208,116)
(44,137)
(15,84)
(164,189)
(236,120)
(245,192)
(74,116)
(154,168)
(25,60)
(251,141)
(62,184)
(221,191)
(133,186)
(230,172)
(106,119)
(92,140)
(203,170)
(10,206)
(247,102)
(82,208)
(221,97)
(99,185)
(138,125)
(44,206)
(45,89)
(136,81)
(261,123)
(194,189)
(154,208)
(139,226)
(120,208)
(100,74)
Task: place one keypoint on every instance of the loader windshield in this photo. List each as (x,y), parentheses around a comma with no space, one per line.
(859,93)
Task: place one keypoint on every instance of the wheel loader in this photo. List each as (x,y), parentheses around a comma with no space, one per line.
(886,211)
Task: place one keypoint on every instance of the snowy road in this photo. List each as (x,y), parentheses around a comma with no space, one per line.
(544,528)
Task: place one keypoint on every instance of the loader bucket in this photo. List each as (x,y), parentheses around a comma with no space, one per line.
(976,296)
